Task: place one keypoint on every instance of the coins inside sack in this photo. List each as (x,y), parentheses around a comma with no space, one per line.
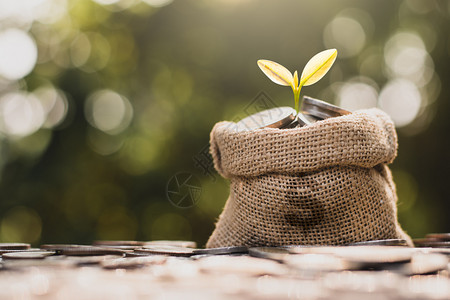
(321,109)
(277,117)
(301,120)
(222,250)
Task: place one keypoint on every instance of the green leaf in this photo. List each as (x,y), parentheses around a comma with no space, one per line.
(317,67)
(276,72)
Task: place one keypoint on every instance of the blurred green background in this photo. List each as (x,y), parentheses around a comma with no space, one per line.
(105,103)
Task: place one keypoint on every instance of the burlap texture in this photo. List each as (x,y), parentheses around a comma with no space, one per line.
(323,184)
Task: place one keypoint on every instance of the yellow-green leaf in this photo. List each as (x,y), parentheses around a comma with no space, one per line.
(276,72)
(295,79)
(317,67)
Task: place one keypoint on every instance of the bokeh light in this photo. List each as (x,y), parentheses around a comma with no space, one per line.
(346,34)
(401,99)
(157,3)
(18,53)
(108,111)
(21,114)
(358,93)
(55,105)
(407,57)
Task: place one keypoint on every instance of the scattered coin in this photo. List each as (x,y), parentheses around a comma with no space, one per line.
(119,243)
(422,264)
(223,250)
(243,265)
(426,250)
(277,117)
(430,242)
(92,260)
(80,250)
(273,253)
(165,250)
(2,251)
(28,255)
(387,242)
(321,109)
(14,246)
(439,236)
(318,262)
(183,244)
(133,263)
(375,256)
(62,246)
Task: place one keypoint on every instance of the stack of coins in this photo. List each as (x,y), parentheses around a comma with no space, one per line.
(312,110)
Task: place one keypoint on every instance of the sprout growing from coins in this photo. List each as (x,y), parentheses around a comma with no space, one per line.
(314,70)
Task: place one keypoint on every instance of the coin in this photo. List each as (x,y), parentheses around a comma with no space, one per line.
(439,236)
(386,242)
(183,244)
(318,262)
(272,253)
(364,256)
(14,246)
(133,263)
(242,265)
(429,242)
(2,251)
(28,255)
(376,257)
(445,251)
(223,250)
(301,120)
(81,260)
(165,250)
(62,246)
(277,117)
(81,250)
(119,243)
(321,109)
(422,264)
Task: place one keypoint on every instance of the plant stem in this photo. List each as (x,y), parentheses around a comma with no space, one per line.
(297,98)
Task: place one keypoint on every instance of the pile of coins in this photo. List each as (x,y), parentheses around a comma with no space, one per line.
(312,110)
(385,269)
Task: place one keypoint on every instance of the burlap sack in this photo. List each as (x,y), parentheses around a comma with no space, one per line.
(324,184)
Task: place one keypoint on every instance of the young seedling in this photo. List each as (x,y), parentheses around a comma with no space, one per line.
(314,70)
